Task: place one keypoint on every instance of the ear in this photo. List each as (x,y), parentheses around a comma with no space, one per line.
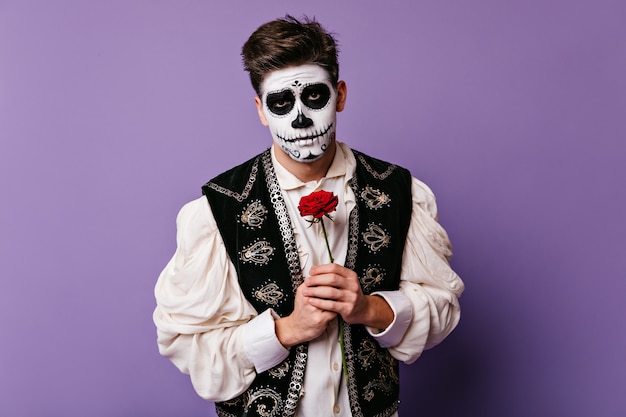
(259,108)
(342,95)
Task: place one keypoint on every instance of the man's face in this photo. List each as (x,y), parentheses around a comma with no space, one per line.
(299,105)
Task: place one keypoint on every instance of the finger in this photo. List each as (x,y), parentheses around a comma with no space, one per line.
(321,313)
(329,269)
(329,306)
(324,292)
(329,280)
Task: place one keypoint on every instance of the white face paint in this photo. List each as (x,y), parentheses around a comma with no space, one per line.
(299,104)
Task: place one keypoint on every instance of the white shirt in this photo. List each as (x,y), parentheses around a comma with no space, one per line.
(208,329)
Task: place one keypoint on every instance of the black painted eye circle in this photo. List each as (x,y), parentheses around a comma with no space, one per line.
(280,103)
(316,96)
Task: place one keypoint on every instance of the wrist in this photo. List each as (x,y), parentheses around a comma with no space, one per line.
(284,332)
(379,313)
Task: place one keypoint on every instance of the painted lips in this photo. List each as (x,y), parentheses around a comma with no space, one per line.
(306,137)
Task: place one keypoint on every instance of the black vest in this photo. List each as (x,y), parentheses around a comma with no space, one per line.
(252,218)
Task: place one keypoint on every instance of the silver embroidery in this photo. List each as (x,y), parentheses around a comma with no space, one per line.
(293,260)
(284,222)
(271,404)
(270,294)
(374,198)
(353,243)
(279,371)
(259,253)
(367,354)
(246,190)
(386,379)
(353,389)
(376,237)
(381,383)
(295,385)
(254,215)
(353,231)
(377,175)
(371,276)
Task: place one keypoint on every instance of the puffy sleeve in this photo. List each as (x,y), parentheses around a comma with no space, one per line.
(428,282)
(202,315)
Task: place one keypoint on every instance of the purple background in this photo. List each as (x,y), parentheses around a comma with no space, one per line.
(114,113)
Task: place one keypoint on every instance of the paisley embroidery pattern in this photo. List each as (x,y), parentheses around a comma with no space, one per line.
(280,370)
(270,294)
(268,402)
(380,384)
(375,237)
(254,215)
(259,253)
(387,378)
(367,353)
(371,277)
(374,198)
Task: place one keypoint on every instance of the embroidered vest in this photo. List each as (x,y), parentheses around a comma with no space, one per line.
(253,221)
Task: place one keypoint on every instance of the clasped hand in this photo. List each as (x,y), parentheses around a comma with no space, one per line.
(330,290)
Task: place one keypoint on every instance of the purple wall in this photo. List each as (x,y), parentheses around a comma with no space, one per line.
(113,113)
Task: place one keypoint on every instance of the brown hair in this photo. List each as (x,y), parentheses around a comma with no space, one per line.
(289,42)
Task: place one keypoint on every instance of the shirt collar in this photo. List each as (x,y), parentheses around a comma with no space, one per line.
(288,181)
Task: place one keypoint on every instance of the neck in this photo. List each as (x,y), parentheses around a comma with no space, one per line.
(307,171)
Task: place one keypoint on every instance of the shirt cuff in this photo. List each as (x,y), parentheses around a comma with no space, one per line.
(402,316)
(261,344)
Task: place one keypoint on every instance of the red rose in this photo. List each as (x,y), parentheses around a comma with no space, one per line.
(318,204)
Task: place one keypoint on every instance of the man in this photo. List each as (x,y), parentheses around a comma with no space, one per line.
(252,306)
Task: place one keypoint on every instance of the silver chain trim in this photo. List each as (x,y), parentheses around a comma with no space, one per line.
(297,378)
(353,245)
(353,230)
(284,222)
(246,189)
(378,176)
(353,392)
(293,261)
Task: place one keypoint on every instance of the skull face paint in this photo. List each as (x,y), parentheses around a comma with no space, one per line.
(299,105)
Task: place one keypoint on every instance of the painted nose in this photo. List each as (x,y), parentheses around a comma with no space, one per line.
(301,121)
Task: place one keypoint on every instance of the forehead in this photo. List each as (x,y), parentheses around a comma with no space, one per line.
(294,77)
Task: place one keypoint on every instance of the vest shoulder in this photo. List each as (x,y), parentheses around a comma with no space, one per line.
(379,168)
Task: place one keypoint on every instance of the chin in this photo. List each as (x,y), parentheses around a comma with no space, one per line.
(311,158)
(305,159)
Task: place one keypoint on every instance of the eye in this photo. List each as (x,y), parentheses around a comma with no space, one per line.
(316,96)
(280,103)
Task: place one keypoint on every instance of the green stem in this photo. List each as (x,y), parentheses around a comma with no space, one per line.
(341,324)
(326,239)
